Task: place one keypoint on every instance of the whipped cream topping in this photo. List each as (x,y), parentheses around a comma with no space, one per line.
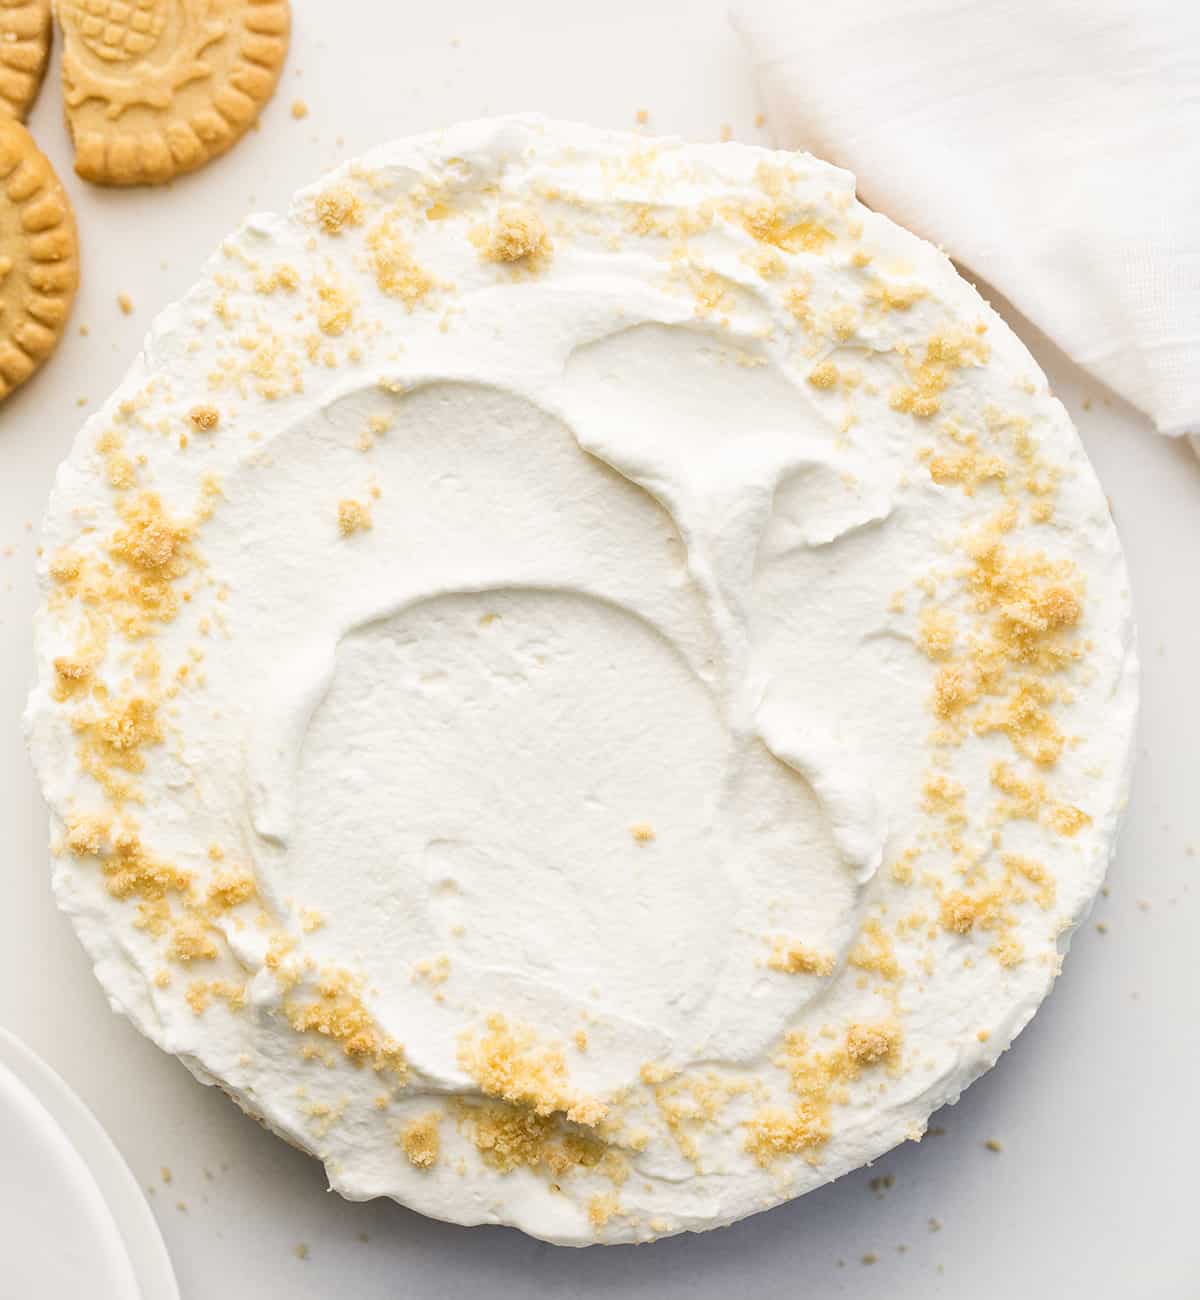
(584,680)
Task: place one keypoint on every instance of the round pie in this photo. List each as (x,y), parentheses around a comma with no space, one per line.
(587,681)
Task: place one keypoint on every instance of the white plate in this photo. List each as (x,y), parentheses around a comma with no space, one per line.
(73,1220)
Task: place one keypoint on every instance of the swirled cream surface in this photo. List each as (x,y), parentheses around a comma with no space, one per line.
(585,680)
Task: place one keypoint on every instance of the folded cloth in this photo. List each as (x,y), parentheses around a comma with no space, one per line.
(1051,146)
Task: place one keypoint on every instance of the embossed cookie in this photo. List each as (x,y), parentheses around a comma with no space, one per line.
(155,88)
(39,256)
(24,47)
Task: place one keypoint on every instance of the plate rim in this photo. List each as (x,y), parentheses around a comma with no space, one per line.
(131,1213)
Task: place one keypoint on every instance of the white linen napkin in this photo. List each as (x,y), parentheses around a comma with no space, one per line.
(1050,146)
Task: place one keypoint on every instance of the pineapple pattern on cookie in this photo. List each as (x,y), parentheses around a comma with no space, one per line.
(155,88)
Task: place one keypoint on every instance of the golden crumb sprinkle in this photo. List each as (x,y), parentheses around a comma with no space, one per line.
(231,889)
(602,1208)
(508,1062)
(435,970)
(284,276)
(518,236)
(959,911)
(869,1044)
(711,293)
(775,1131)
(339,1013)
(204,419)
(191,941)
(397,272)
(930,377)
(130,870)
(125,303)
(796,959)
(1033,872)
(511,1137)
(1067,819)
(951,690)
(113,741)
(201,994)
(299,109)
(150,540)
(64,566)
(87,833)
(824,375)
(875,951)
(334,312)
(70,674)
(642,116)
(895,297)
(937,632)
(421,1140)
(336,208)
(818,1083)
(352,516)
(642,832)
(774,222)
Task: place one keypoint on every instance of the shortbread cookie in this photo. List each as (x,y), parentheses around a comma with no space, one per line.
(155,88)
(24,48)
(39,256)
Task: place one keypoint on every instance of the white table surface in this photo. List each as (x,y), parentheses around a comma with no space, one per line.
(1095,1107)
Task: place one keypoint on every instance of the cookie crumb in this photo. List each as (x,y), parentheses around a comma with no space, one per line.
(352,516)
(299,109)
(642,832)
(993,1145)
(519,235)
(421,1141)
(338,208)
(642,116)
(125,302)
(301,1250)
(204,418)
(824,375)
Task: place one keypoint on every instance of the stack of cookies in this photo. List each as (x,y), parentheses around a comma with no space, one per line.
(152,89)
